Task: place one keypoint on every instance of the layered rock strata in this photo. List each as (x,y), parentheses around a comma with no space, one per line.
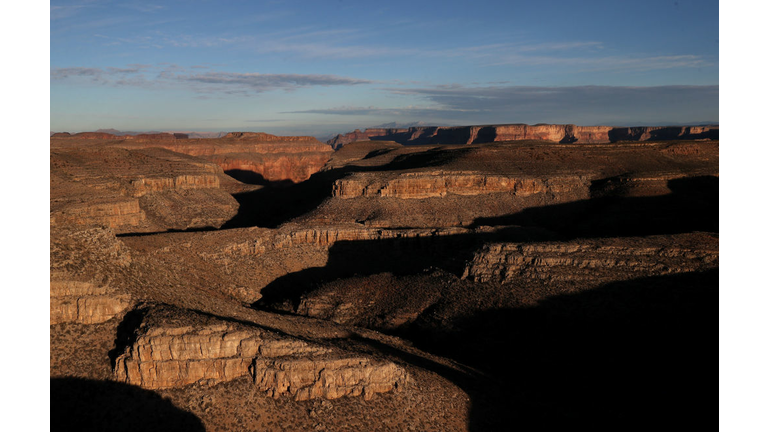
(176,355)
(273,158)
(85,302)
(514,132)
(439,183)
(292,236)
(137,190)
(594,261)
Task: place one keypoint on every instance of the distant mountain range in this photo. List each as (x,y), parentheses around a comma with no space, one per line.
(190,134)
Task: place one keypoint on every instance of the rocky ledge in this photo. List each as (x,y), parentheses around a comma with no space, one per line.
(515,132)
(249,156)
(438,184)
(172,350)
(85,302)
(594,261)
(137,190)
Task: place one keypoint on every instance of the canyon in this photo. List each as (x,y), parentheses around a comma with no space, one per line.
(444,279)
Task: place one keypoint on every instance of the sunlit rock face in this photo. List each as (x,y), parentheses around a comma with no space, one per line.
(174,349)
(518,132)
(136,190)
(265,157)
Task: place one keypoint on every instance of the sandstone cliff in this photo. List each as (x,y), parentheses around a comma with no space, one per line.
(390,185)
(136,190)
(442,183)
(593,261)
(517,132)
(85,302)
(252,156)
(175,352)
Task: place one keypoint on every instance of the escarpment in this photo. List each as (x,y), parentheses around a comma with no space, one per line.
(249,156)
(392,186)
(517,132)
(137,190)
(441,183)
(593,261)
(85,302)
(175,352)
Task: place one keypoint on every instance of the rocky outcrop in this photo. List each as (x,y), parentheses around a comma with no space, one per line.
(268,158)
(172,353)
(438,184)
(517,132)
(274,167)
(157,137)
(291,236)
(136,190)
(265,137)
(85,302)
(331,377)
(594,261)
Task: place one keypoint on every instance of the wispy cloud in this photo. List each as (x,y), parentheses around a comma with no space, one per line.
(61,12)
(313,43)
(143,7)
(410,110)
(459,104)
(172,75)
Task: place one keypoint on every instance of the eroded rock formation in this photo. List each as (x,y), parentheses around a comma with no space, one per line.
(175,352)
(243,154)
(593,261)
(442,183)
(137,190)
(85,302)
(408,186)
(392,268)
(517,132)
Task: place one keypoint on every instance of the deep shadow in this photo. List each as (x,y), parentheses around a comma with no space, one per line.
(399,256)
(692,206)
(277,203)
(254,178)
(634,354)
(79,404)
(669,133)
(127,332)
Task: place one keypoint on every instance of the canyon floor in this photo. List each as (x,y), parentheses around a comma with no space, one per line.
(263,283)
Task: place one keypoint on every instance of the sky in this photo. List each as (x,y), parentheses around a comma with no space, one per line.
(323,67)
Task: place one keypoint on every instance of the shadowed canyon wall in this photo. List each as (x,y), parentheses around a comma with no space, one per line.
(515,132)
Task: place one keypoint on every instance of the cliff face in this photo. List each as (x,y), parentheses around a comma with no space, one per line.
(248,156)
(136,190)
(440,184)
(85,302)
(516,132)
(593,262)
(188,352)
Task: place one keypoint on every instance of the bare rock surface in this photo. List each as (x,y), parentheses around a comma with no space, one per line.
(137,190)
(514,132)
(594,261)
(172,349)
(85,302)
(252,156)
(437,287)
(415,186)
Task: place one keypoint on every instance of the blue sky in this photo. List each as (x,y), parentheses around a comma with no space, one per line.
(319,67)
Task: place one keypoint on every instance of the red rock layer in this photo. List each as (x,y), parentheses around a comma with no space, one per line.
(274,158)
(515,132)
